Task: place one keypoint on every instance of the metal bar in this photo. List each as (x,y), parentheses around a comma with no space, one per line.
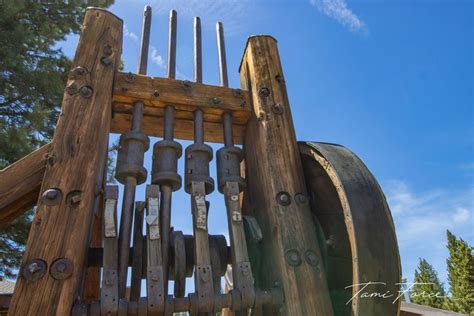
(172,44)
(221,53)
(137,262)
(198,127)
(197,50)
(168,132)
(228,135)
(137,117)
(125,232)
(145,42)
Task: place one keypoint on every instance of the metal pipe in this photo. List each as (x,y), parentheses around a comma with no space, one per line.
(221,54)
(172,44)
(165,207)
(228,136)
(168,131)
(125,232)
(197,50)
(198,127)
(145,41)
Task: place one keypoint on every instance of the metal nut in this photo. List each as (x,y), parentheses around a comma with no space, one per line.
(51,197)
(264,92)
(277,108)
(300,198)
(130,77)
(61,269)
(311,258)
(283,198)
(156,93)
(86,91)
(34,270)
(293,257)
(216,101)
(106,61)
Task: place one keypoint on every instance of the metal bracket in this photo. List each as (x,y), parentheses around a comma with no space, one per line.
(201,212)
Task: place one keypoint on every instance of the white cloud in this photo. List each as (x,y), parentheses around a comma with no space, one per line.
(421,220)
(128,33)
(338,10)
(156,58)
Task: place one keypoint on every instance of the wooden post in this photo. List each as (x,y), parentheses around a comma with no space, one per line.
(62,224)
(289,251)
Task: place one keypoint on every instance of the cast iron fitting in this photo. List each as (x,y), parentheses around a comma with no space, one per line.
(165,164)
(196,168)
(130,157)
(228,167)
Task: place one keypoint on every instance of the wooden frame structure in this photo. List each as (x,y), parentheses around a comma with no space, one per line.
(76,211)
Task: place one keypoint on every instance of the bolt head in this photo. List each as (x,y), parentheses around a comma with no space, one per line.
(34,270)
(61,269)
(216,101)
(277,108)
(283,198)
(264,92)
(86,91)
(301,198)
(156,93)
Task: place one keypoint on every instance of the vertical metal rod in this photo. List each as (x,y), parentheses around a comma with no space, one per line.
(197,50)
(172,44)
(168,131)
(145,42)
(228,136)
(130,182)
(125,232)
(198,116)
(137,261)
(221,54)
(165,207)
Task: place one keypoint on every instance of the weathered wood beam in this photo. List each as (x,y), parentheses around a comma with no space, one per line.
(289,252)
(20,184)
(186,97)
(62,224)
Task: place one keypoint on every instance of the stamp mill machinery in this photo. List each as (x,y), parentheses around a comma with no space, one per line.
(308,223)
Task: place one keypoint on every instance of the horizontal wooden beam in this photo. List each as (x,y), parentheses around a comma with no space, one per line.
(20,184)
(186,97)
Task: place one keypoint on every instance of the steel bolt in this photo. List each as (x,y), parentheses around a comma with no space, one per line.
(51,196)
(264,92)
(277,108)
(301,198)
(106,61)
(234,197)
(293,257)
(216,100)
(33,267)
(283,198)
(76,198)
(34,270)
(86,91)
(61,269)
(187,84)
(311,258)
(156,93)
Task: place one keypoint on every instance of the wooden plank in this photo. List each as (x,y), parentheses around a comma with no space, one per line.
(185,100)
(273,166)
(352,210)
(20,184)
(62,228)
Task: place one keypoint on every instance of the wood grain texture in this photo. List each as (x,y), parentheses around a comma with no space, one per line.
(79,145)
(273,165)
(358,227)
(185,100)
(20,184)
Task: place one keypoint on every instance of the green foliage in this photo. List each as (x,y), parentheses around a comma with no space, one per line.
(428,290)
(460,275)
(33,73)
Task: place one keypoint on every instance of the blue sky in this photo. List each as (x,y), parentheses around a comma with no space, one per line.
(391,80)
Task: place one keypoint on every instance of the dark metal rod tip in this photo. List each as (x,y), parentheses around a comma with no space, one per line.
(221,54)
(228,133)
(173,24)
(145,41)
(197,50)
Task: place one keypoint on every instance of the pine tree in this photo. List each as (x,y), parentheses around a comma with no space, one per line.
(460,275)
(33,73)
(428,290)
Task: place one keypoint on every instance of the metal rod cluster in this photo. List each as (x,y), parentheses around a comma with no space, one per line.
(163,254)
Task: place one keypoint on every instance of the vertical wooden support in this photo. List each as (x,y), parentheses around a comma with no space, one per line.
(62,224)
(289,250)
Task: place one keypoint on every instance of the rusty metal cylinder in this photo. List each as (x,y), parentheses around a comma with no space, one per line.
(130,157)
(228,167)
(165,164)
(198,157)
